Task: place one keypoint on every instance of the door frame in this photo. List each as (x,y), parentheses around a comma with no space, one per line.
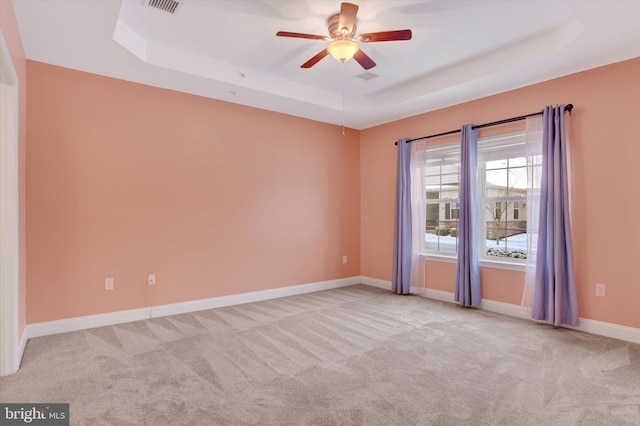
(9,214)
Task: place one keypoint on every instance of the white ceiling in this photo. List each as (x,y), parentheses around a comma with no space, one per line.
(227,49)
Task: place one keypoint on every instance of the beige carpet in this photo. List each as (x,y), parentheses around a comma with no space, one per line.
(353,356)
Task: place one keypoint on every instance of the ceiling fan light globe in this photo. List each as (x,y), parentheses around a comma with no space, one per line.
(342,50)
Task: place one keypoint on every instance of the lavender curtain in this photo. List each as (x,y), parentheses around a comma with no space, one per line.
(468,267)
(554,296)
(402,243)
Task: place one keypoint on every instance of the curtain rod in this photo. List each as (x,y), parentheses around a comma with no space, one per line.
(568,107)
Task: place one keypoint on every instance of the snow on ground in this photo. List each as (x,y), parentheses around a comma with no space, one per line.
(448,243)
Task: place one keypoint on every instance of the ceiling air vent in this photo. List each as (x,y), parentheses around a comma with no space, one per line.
(169,6)
(367,75)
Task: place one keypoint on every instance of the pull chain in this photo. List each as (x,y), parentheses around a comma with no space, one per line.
(343,73)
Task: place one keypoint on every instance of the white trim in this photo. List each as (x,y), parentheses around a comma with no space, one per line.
(21,347)
(443,296)
(502,264)
(81,323)
(10,354)
(484,262)
(374,282)
(505,309)
(615,331)
(118,317)
(438,258)
(254,296)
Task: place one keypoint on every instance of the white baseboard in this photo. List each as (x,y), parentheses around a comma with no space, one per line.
(118,317)
(374,282)
(505,309)
(21,346)
(81,323)
(615,331)
(255,296)
(443,296)
(621,332)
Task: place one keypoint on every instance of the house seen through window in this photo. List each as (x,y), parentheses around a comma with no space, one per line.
(504,172)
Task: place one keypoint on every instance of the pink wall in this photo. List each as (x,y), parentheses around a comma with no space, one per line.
(606,175)
(215,198)
(9,28)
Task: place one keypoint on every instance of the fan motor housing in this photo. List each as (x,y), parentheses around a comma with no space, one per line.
(336,32)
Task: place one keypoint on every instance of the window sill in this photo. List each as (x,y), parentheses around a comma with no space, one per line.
(496,264)
(438,258)
(484,263)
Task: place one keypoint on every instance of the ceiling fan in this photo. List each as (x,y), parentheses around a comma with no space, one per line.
(343,46)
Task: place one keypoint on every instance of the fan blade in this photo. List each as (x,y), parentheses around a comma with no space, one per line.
(301,35)
(347,19)
(364,60)
(385,36)
(311,62)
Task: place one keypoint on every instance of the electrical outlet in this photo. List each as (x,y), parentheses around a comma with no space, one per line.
(108,283)
(600,290)
(151,279)
(344,260)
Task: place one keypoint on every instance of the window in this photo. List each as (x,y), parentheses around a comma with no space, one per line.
(503,174)
(442,201)
(503,186)
(452,211)
(497,210)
